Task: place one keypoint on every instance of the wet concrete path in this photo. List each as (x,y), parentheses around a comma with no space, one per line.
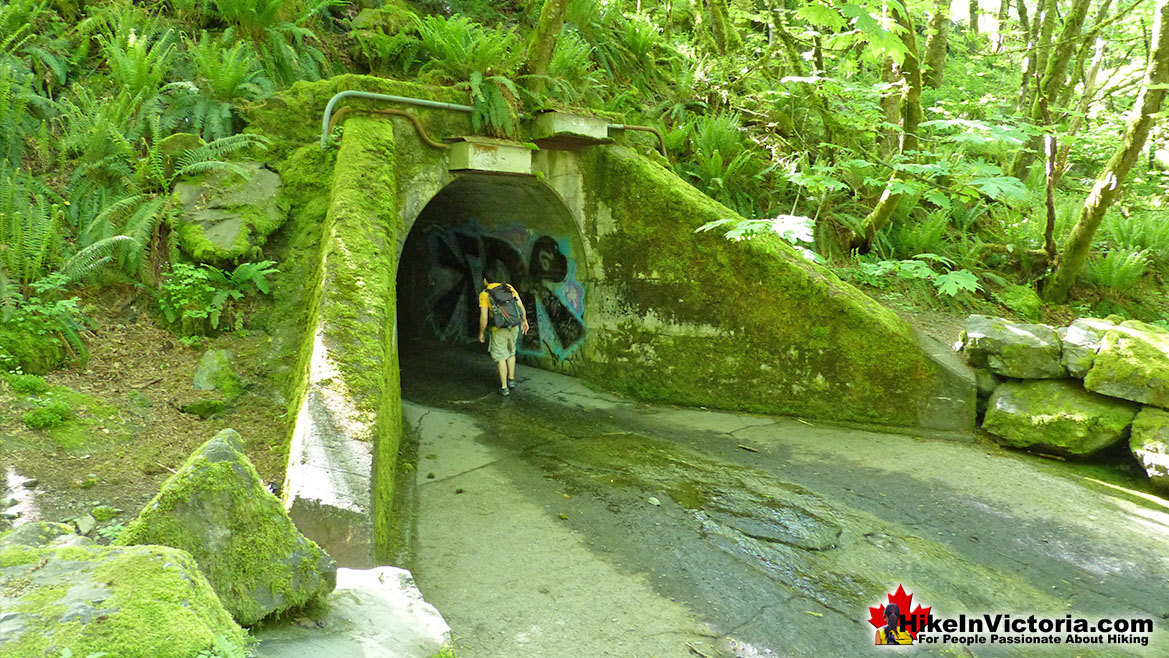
(565,522)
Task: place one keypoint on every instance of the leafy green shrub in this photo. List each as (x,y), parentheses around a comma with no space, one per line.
(950,283)
(28,384)
(48,416)
(199,298)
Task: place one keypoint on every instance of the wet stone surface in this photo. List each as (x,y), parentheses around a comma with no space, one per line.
(563,521)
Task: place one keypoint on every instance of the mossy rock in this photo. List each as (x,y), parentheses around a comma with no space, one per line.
(35,354)
(1132,364)
(60,591)
(1022,300)
(226,217)
(1080,341)
(205,408)
(217,508)
(1023,351)
(1150,445)
(1056,416)
(215,373)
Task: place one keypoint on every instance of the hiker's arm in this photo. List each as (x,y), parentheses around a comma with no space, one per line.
(523,315)
(482,322)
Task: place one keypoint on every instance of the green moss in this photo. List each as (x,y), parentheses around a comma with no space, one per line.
(32,353)
(807,344)
(105,512)
(1022,300)
(159,605)
(251,560)
(27,384)
(206,408)
(51,415)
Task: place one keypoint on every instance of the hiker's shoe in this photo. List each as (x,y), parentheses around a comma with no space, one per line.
(504,392)
(511,383)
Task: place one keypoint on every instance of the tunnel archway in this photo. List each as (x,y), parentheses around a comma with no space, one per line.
(517,224)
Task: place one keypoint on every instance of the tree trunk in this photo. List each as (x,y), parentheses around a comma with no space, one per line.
(1077,121)
(1077,70)
(891,108)
(935,47)
(544,42)
(1054,78)
(910,118)
(974,16)
(796,67)
(1108,185)
(1001,25)
(1031,63)
(725,37)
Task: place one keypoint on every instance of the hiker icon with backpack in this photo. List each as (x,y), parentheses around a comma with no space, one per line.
(500,304)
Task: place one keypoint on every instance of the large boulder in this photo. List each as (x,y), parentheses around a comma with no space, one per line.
(1150,444)
(1081,340)
(373,612)
(1056,416)
(226,216)
(217,508)
(60,591)
(1133,364)
(1023,351)
(215,373)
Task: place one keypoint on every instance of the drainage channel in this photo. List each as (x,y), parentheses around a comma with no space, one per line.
(562,521)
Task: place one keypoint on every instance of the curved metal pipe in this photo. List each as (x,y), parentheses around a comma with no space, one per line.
(337,116)
(325,119)
(647,129)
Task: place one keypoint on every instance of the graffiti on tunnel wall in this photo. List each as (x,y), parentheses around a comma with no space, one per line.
(537,266)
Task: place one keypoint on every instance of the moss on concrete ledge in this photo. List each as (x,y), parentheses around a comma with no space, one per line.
(742,325)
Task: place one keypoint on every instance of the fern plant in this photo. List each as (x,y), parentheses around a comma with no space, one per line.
(457,48)
(494,99)
(1118,269)
(227,75)
(287,48)
(139,62)
(14,99)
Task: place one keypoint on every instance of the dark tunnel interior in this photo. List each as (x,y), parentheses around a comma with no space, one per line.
(516,225)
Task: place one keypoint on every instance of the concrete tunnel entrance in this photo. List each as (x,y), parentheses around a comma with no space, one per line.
(516,224)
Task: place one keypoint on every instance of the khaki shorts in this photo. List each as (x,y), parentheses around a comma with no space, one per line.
(502,346)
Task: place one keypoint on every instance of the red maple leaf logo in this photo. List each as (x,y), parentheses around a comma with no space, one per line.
(911,622)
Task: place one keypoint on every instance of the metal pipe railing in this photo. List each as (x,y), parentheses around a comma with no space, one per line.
(381,97)
(325,119)
(647,129)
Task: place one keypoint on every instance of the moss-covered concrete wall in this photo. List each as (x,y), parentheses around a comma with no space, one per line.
(692,318)
(333,321)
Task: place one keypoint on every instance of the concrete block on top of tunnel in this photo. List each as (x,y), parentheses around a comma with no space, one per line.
(559,129)
(487,155)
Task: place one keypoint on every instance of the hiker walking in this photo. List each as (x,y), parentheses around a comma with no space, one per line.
(508,319)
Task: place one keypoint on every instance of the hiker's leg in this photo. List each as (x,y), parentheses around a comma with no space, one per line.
(511,367)
(503,372)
